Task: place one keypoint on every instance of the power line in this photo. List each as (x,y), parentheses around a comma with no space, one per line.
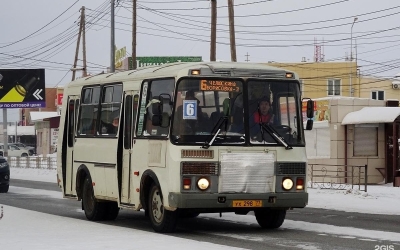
(22,39)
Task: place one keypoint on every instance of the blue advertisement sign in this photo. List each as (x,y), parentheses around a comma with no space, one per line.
(22,88)
(190,109)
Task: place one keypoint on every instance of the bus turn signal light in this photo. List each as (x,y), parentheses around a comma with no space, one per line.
(299,184)
(187,182)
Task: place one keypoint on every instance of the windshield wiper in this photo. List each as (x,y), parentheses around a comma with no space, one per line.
(275,135)
(216,129)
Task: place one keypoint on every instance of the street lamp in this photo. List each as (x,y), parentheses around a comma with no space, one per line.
(351,55)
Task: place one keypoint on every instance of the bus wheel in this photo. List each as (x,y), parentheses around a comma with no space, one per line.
(162,221)
(270,219)
(112,210)
(94,210)
(4,189)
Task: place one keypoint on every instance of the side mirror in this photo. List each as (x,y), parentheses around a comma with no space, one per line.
(161,120)
(156,120)
(310,108)
(309,124)
(156,108)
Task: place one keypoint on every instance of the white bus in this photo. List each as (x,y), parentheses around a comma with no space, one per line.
(181,139)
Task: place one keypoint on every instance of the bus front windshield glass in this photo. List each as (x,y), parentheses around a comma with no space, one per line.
(213,110)
(206,105)
(274,111)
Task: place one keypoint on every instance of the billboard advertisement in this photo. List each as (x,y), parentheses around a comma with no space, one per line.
(22,88)
(160,60)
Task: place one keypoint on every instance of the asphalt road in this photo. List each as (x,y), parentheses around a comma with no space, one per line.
(224,232)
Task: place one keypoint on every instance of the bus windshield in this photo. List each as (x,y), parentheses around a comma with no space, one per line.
(199,106)
(214,110)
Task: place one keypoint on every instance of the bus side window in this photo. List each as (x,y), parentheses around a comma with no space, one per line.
(128,120)
(110,109)
(162,87)
(89,110)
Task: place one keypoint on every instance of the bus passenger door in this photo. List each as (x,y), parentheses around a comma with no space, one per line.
(73,106)
(127,179)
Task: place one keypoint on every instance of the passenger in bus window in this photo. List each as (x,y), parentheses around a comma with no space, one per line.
(110,128)
(115,124)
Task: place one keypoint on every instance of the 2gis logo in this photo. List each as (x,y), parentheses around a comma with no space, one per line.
(384,247)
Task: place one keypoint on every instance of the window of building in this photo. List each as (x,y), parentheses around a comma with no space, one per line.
(154,90)
(334,86)
(365,141)
(378,95)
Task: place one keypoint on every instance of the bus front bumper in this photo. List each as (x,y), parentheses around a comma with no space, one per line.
(225,201)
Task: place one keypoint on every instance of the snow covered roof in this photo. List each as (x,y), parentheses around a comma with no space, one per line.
(40,116)
(372,115)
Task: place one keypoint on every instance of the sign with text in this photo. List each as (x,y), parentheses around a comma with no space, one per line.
(219,85)
(160,60)
(54,136)
(22,88)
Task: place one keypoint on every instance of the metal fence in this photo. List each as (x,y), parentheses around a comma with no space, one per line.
(33,162)
(338,176)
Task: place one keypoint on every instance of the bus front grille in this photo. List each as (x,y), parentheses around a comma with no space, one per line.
(290,168)
(246,172)
(199,168)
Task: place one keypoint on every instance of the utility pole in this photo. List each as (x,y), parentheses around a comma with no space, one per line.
(112,45)
(77,44)
(134,63)
(84,74)
(351,56)
(213,42)
(232,30)
(247,57)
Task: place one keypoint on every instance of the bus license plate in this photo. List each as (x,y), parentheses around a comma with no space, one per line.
(247,203)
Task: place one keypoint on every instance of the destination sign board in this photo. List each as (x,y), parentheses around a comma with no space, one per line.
(22,88)
(219,85)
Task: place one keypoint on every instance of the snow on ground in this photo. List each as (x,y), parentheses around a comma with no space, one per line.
(24,229)
(29,225)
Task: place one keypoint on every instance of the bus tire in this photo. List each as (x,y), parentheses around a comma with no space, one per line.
(94,210)
(270,219)
(112,210)
(162,220)
(4,189)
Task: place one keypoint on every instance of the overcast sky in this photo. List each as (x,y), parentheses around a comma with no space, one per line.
(43,33)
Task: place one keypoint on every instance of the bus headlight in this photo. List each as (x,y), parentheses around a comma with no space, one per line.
(203,184)
(287,184)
